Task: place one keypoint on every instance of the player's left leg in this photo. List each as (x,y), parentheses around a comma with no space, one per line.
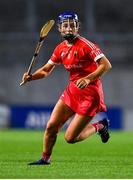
(100,127)
(77,125)
(80,129)
(86,132)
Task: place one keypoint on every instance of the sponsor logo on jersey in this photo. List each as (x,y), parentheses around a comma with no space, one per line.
(73,66)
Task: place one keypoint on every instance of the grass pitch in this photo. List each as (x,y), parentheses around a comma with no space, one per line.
(90,159)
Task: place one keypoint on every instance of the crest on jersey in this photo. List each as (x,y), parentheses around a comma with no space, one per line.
(62,54)
(75,53)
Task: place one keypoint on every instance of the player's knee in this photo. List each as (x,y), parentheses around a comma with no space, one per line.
(69,139)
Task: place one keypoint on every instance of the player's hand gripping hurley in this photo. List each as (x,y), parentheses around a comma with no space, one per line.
(44,31)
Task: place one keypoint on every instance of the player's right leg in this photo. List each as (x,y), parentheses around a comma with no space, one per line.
(61,113)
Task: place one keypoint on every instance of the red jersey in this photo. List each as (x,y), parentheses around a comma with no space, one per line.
(80,59)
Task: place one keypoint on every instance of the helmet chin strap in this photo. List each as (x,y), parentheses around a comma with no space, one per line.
(69,37)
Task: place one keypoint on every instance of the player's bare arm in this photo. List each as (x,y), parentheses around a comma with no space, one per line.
(103,67)
(42,72)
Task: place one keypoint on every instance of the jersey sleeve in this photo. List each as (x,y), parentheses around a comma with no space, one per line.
(95,52)
(55,58)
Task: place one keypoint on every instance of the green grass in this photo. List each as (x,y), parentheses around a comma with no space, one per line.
(87,160)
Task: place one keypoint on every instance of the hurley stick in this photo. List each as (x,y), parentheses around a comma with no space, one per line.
(43,33)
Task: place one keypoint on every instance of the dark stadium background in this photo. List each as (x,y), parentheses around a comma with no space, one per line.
(109,23)
(24,111)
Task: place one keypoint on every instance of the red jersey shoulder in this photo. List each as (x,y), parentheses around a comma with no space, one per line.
(91,48)
(87,44)
(56,56)
(59,47)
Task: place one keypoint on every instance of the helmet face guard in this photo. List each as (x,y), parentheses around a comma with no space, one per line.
(68,25)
